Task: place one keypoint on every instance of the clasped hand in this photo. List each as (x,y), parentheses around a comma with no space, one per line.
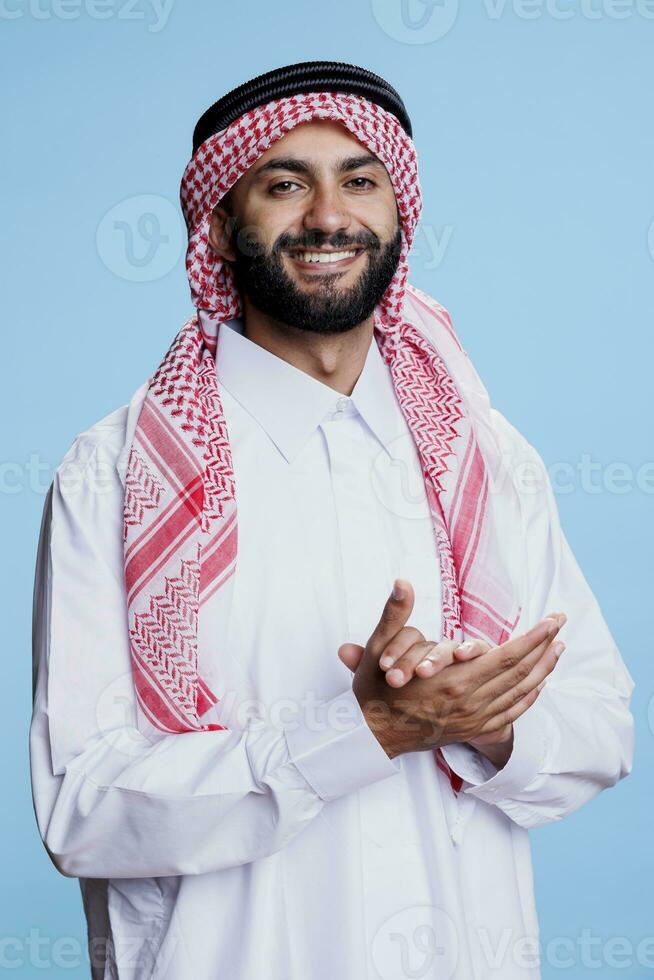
(419,694)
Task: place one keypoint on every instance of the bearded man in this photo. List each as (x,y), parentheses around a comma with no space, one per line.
(298,697)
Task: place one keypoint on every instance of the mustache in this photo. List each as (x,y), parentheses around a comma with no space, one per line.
(339,241)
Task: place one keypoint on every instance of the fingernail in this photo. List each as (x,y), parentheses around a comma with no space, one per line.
(396,675)
(386,661)
(554,629)
(426,663)
(541,685)
(398,591)
(466,647)
(558,648)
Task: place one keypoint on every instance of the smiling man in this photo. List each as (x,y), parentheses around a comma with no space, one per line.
(298,696)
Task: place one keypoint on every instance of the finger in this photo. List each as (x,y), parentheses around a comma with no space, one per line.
(399,645)
(439,657)
(350,654)
(559,616)
(474,648)
(503,665)
(471,649)
(394,615)
(422,659)
(511,714)
(544,666)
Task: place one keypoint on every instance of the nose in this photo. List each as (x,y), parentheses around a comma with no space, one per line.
(326,212)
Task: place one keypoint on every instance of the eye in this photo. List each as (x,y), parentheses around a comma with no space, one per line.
(284,183)
(366,180)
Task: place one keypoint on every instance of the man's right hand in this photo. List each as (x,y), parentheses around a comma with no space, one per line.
(462,700)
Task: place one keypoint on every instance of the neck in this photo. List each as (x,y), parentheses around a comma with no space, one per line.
(337,360)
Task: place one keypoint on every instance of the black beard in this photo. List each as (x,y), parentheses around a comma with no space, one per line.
(327,308)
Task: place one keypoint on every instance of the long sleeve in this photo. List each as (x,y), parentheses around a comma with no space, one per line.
(113,802)
(578,737)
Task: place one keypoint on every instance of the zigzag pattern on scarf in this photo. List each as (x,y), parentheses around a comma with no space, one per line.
(142,490)
(165,638)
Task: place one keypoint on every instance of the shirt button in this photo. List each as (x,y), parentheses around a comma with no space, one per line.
(341,404)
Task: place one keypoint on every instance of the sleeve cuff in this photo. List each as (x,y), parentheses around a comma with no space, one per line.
(336,752)
(534,734)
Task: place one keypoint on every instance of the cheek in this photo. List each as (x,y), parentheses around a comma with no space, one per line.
(381,218)
(268,223)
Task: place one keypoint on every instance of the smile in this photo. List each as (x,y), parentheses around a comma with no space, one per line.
(337,259)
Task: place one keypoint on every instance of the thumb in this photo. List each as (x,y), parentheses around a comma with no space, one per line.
(396,611)
(351,654)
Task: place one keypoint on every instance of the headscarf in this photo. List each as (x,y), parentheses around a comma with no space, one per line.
(180,515)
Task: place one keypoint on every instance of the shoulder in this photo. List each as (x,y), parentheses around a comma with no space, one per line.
(104,438)
(509,437)
(87,493)
(102,448)
(530,473)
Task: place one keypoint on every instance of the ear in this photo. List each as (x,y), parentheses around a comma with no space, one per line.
(221,233)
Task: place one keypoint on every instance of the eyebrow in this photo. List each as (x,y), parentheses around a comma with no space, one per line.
(297,166)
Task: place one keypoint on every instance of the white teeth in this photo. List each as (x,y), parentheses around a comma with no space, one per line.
(325,256)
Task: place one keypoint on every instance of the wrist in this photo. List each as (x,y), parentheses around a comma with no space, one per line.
(379,724)
(498,753)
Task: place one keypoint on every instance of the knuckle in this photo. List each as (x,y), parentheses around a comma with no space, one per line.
(522,671)
(393,650)
(501,721)
(446,648)
(509,660)
(388,616)
(455,689)
(515,696)
(425,650)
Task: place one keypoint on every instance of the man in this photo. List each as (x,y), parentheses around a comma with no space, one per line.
(306,736)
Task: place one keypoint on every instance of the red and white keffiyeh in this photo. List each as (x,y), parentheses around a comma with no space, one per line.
(180,517)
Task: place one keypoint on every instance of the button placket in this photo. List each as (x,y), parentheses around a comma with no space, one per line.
(366,565)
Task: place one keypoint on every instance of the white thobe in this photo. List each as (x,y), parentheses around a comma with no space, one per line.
(290,846)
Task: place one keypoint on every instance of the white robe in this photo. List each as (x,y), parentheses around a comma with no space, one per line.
(290,846)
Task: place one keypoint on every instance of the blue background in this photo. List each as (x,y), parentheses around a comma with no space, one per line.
(535,143)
